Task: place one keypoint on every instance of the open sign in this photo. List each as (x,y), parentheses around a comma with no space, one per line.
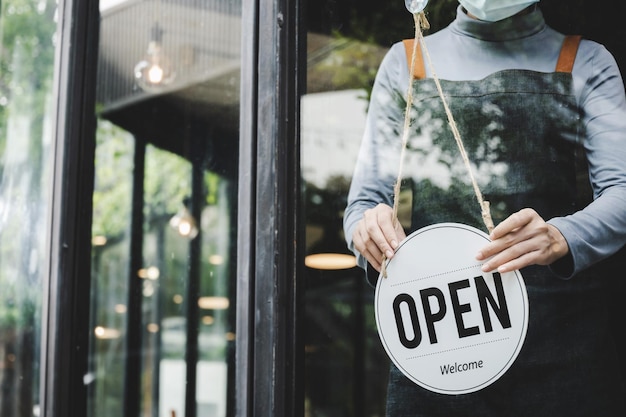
(448,326)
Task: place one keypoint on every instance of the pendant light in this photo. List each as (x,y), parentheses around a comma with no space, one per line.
(155,70)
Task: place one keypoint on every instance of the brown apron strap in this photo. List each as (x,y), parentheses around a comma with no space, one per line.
(420,71)
(568,53)
(564,64)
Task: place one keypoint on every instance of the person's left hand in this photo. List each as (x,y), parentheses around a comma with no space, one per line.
(522,239)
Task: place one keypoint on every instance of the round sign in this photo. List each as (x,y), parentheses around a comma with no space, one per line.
(448,326)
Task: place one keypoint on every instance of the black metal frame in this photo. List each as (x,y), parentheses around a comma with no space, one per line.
(269,354)
(244,323)
(134,328)
(65,338)
(269,349)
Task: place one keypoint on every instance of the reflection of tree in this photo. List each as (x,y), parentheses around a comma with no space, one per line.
(164,193)
(348,58)
(325,203)
(510,165)
(376,22)
(340,63)
(112,188)
(26,68)
(167,183)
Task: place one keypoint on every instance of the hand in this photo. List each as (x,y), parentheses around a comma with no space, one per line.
(523,239)
(377,233)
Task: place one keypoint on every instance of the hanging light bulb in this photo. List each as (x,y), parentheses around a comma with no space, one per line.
(184,222)
(155,70)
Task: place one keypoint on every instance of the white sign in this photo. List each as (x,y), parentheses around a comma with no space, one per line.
(448,326)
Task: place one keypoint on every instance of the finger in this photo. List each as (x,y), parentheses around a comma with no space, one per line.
(390,229)
(373,260)
(515,257)
(499,245)
(400,235)
(373,255)
(516,228)
(520,262)
(367,248)
(377,224)
(512,223)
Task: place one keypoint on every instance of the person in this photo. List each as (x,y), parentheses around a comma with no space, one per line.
(548,146)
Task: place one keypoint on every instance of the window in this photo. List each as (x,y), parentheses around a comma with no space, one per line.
(346,367)
(187,218)
(27,50)
(164,204)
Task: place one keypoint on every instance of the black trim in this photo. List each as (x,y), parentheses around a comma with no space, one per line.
(244,316)
(277,346)
(66,330)
(193,281)
(134,319)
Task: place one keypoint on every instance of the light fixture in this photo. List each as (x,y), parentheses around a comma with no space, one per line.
(330,261)
(216,259)
(328,250)
(184,223)
(105,333)
(99,240)
(155,70)
(151,272)
(213,303)
(121,308)
(152,327)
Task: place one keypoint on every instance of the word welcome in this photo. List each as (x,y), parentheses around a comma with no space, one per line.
(463,367)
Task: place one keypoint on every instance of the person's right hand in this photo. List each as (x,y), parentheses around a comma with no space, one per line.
(377,233)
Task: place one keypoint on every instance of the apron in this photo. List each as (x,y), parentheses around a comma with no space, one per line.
(523,133)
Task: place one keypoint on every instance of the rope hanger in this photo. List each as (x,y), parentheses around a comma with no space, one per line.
(421,23)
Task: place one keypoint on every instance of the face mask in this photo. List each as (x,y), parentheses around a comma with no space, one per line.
(494,10)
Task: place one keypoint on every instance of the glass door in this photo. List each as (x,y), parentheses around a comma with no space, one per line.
(164,217)
(346,366)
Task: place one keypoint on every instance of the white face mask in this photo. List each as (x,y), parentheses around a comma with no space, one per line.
(494,10)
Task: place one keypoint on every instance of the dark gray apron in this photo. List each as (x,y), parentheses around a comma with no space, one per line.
(522,132)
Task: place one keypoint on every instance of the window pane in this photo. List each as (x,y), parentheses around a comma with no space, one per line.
(168,92)
(346,367)
(27,29)
(110,258)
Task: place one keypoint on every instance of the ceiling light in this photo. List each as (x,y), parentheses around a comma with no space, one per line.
(330,261)
(155,70)
(213,303)
(184,223)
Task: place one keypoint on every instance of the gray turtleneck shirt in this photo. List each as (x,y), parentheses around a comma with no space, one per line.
(470,49)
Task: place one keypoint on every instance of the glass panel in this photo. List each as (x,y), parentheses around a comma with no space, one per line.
(27,49)
(110,260)
(164,209)
(164,277)
(346,367)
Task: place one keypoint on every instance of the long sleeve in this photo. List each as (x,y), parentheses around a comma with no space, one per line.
(599,230)
(377,163)
(472,50)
